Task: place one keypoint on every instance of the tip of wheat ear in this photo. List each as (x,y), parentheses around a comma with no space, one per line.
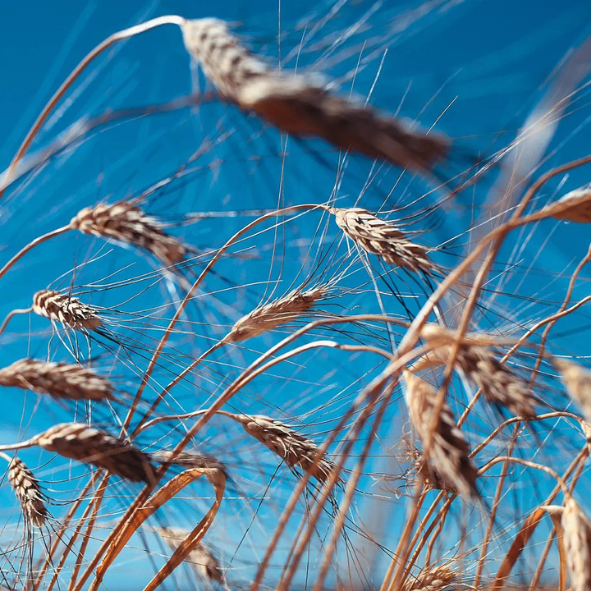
(293,104)
(281,311)
(92,446)
(433,579)
(127,223)
(578,384)
(60,380)
(383,238)
(191,459)
(28,492)
(65,309)
(574,206)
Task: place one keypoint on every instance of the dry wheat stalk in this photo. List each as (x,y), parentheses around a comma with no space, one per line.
(281,311)
(191,459)
(204,563)
(294,104)
(287,443)
(449,450)
(127,223)
(89,445)
(498,383)
(574,206)
(578,384)
(576,535)
(383,238)
(60,380)
(434,579)
(65,309)
(28,492)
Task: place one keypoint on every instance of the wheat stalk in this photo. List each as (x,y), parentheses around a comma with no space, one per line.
(27,490)
(288,308)
(449,449)
(127,223)
(201,559)
(433,579)
(383,238)
(498,383)
(294,104)
(287,443)
(60,380)
(65,309)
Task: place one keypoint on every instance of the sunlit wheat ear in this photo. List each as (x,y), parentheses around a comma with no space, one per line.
(434,579)
(60,380)
(201,558)
(288,444)
(191,459)
(28,492)
(91,446)
(576,534)
(578,384)
(449,450)
(65,309)
(299,106)
(126,223)
(286,309)
(498,383)
(574,206)
(383,238)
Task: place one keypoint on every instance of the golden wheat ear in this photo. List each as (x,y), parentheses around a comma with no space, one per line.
(66,309)
(295,105)
(28,491)
(437,578)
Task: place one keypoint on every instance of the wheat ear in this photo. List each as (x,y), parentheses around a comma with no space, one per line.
(66,309)
(433,579)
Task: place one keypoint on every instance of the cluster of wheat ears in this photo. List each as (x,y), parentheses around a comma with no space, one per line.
(133,454)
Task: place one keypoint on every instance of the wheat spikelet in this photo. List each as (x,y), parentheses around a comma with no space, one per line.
(201,559)
(498,383)
(28,492)
(576,532)
(383,238)
(65,309)
(287,443)
(434,579)
(60,380)
(191,459)
(449,450)
(574,206)
(124,222)
(89,445)
(295,105)
(578,384)
(281,311)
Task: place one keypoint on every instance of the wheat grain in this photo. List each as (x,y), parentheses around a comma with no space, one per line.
(449,450)
(201,559)
(28,492)
(286,309)
(498,383)
(65,309)
(89,445)
(127,223)
(60,380)
(384,239)
(287,443)
(434,579)
(578,384)
(295,105)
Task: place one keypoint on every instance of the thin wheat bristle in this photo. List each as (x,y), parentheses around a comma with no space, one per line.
(574,206)
(449,450)
(60,380)
(578,384)
(28,492)
(127,223)
(384,239)
(434,579)
(288,444)
(204,563)
(498,383)
(89,445)
(577,544)
(191,459)
(295,105)
(281,311)
(65,309)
